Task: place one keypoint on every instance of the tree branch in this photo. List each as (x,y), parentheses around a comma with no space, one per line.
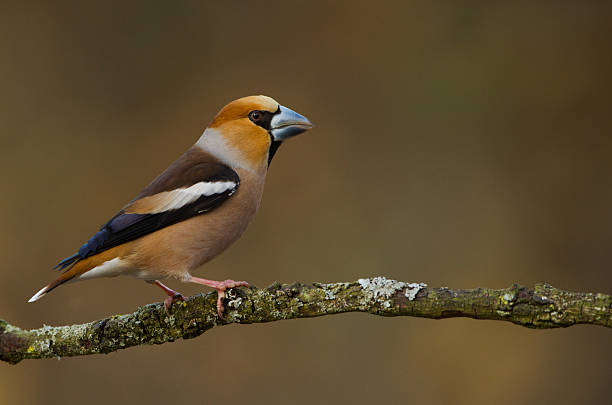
(542,307)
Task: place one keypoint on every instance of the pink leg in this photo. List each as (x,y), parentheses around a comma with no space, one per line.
(220,286)
(172,295)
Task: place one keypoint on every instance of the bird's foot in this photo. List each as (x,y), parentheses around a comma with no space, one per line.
(221,287)
(171,299)
(172,295)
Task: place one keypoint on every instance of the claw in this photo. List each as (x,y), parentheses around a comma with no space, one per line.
(170,300)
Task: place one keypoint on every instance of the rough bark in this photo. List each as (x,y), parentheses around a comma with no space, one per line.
(541,307)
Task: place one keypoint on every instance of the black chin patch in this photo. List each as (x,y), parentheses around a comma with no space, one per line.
(273,148)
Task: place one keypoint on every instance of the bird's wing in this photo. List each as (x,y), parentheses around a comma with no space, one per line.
(181,192)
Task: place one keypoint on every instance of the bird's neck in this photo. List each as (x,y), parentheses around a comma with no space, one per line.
(213,142)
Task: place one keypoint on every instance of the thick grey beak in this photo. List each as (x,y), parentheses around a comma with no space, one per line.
(287,123)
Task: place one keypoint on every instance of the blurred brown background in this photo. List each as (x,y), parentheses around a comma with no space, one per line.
(459,144)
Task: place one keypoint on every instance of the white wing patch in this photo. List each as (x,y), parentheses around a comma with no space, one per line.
(175,199)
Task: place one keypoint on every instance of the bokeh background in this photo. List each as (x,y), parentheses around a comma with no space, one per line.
(461,144)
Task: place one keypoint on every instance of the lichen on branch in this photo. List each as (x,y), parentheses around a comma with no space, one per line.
(541,307)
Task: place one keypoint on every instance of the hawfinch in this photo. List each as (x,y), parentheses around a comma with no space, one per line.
(195,209)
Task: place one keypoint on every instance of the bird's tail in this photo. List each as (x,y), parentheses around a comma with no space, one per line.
(75,270)
(76,267)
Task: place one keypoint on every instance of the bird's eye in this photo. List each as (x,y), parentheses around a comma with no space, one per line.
(255,116)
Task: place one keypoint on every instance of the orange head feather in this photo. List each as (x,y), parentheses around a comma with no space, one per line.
(241,133)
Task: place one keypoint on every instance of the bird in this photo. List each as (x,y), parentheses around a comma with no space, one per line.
(195,209)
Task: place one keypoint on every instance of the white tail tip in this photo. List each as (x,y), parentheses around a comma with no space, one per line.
(38,295)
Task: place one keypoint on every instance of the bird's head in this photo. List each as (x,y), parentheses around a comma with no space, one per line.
(250,130)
